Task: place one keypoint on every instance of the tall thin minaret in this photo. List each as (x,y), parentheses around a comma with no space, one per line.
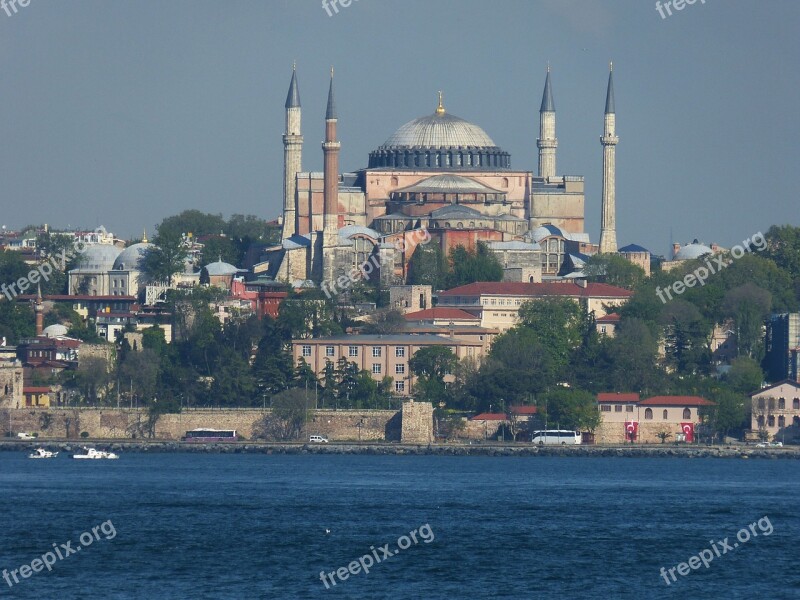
(547,141)
(292,157)
(330,221)
(608,221)
(38,309)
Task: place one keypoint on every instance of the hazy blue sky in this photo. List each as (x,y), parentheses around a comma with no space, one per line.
(121,113)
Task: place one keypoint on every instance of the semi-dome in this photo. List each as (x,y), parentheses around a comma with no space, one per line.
(54,331)
(440,141)
(98,257)
(130,258)
(220,268)
(692,251)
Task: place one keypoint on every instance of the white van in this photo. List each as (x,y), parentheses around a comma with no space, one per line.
(318,439)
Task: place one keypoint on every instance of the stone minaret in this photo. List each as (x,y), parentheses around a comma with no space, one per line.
(608,221)
(38,308)
(330,222)
(547,141)
(292,157)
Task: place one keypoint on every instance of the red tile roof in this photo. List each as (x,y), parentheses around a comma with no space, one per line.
(617,397)
(441,313)
(550,288)
(489,417)
(36,390)
(524,410)
(609,318)
(676,401)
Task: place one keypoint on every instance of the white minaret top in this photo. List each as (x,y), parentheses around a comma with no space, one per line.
(547,142)
(609,141)
(292,156)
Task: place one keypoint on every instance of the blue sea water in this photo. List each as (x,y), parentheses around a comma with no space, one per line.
(265,526)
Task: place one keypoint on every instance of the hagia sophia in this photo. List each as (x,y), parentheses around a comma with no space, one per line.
(444,174)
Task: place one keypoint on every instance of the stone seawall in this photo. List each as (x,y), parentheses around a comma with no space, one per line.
(125,424)
(498,450)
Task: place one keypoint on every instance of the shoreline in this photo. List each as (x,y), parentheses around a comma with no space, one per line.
(388,449)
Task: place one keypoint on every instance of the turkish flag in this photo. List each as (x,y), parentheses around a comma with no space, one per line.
(631,430)
(688,430)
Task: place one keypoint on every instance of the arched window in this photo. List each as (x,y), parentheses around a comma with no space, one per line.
(460,225)
(781,421)
(760,420)
(395,181)
(781,403)
(505,182)
(648,413)
(687,414)
(771,421)
(666,414)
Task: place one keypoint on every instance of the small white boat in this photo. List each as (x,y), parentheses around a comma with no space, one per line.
(42,453)
(92,454)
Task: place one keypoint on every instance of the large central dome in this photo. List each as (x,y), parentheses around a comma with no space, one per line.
(439,130)
(441,142)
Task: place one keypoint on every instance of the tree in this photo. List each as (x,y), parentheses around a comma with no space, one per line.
(427,267)
(162,261)
(663,435)
(613,269)
(431,365)
(570,409)
(748,306)
(558,325)
(289,415)
(632,354)
(745,375)
(386,321)
(729,412)
(468,267)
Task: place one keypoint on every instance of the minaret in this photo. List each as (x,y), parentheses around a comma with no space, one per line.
(608,221)
(292,157)
(547,141)
(38,308)
(330,222)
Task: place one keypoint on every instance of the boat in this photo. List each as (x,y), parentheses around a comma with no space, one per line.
(42,453)
(92,454)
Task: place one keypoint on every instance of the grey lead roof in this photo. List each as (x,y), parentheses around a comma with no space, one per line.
(293,97)
(547,97)
(331,112)
(610,110)
(439,130)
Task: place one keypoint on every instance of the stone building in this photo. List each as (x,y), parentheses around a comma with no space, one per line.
(776,411)
(11,386)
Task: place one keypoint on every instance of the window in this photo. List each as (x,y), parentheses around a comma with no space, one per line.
(781,403)
(761,403)
(376,352)
(353,351)
(328,350)
(687,413)
(400,352)
(665,415)
(629,408)
(376,368)
(618,408)
(400,369)
(771,421)
(605,408)
(781,421)
(760,420)
(306,350)
(648,413)
(796,403)
(399,386)
(772,403)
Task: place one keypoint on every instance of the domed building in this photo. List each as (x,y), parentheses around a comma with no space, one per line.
(438,173)
(105,270)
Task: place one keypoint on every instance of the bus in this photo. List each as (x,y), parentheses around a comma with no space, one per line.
(210,435)
(551,437)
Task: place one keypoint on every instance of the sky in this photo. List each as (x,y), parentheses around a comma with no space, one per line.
(122,113)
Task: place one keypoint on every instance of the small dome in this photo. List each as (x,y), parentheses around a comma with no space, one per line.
(692,251)
(54,331)
(545,231)
(98,257)
(220,268)
(130,258)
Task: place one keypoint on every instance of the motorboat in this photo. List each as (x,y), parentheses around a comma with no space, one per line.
(42,453)
(93,454)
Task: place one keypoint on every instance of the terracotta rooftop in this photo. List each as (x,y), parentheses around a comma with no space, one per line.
(489,417)
(676,401)
(524,410)
(617,397)
(609,318)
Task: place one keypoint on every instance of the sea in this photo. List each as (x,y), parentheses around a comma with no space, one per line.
(258,526)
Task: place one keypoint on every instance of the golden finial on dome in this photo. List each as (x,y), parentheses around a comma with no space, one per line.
(440,108)
(611,66)
(144,236)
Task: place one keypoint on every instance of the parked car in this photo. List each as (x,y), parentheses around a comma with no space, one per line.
(777,444)
(318,439)
(25,436)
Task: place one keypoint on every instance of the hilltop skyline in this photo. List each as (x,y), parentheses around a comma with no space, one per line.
(120,117)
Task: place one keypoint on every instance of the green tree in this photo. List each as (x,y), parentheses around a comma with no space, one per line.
(428,267)
(748,306)
(745,375)
(728,413)
(431,365)
(570,409)
(613,269)
(167,257)
(292,407)
(467,267)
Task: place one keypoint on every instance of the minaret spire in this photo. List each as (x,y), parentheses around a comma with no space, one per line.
(330,220)
(547,142)
(609,141)
(38,309)
(292,156)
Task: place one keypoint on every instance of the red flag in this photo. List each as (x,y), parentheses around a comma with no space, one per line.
(688,430)
(631,430)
